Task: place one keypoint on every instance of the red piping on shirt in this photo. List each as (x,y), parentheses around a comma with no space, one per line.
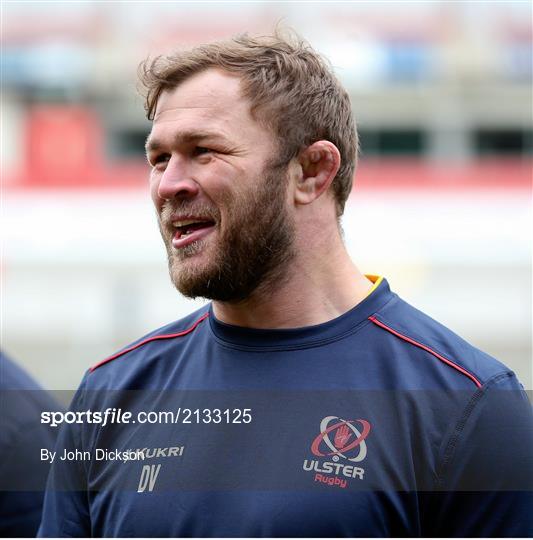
(426,348)
(153,338)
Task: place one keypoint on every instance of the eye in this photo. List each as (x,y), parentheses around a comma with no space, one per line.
(200,150)
(158,159)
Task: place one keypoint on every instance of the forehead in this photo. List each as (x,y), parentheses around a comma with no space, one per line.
(207,101)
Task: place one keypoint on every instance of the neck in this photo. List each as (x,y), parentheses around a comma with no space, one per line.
(319,285)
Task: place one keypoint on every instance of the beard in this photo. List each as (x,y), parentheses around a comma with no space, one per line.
(252,252)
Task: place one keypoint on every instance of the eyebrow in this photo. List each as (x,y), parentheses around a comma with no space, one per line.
(186,137)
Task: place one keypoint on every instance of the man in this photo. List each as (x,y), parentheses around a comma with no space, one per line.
(307,398)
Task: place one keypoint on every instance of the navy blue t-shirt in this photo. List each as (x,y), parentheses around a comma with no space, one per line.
(22,474)
(381,422)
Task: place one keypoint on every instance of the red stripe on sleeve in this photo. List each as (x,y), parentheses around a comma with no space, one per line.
(426,348)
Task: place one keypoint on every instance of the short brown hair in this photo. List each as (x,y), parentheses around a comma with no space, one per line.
(292,90)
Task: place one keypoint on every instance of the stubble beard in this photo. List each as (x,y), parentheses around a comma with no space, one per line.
(253,251)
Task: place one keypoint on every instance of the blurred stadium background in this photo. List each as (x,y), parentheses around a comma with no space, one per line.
(442,201)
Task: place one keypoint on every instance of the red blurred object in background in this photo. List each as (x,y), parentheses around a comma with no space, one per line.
(64,147)
(65,150)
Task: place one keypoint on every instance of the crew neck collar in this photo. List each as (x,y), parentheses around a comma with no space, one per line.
(303,337)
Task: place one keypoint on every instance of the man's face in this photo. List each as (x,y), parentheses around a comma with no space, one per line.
(219,195)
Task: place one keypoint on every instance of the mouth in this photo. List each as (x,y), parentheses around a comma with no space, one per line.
(189,230)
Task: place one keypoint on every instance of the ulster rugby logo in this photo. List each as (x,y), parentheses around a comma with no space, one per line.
(338,438)
(347,439)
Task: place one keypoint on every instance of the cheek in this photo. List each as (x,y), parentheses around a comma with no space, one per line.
(154,187)
(221,187)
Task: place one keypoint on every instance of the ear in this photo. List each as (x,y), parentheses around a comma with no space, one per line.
(319,164)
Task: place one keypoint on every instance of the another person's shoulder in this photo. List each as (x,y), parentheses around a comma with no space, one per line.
(22,436)
(23,397)
(434,348)
(148,349)
(13,377)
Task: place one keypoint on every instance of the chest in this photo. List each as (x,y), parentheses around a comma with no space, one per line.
(259,464)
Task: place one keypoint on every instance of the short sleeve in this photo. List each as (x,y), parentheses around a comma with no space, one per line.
(484,485)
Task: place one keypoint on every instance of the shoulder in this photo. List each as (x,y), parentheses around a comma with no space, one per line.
(13,377)
(152,344)
(22,402)
(434,346)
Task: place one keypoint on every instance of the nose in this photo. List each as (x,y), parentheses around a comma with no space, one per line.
(177,182)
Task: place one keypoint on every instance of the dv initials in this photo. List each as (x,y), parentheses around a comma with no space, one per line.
(148,477)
